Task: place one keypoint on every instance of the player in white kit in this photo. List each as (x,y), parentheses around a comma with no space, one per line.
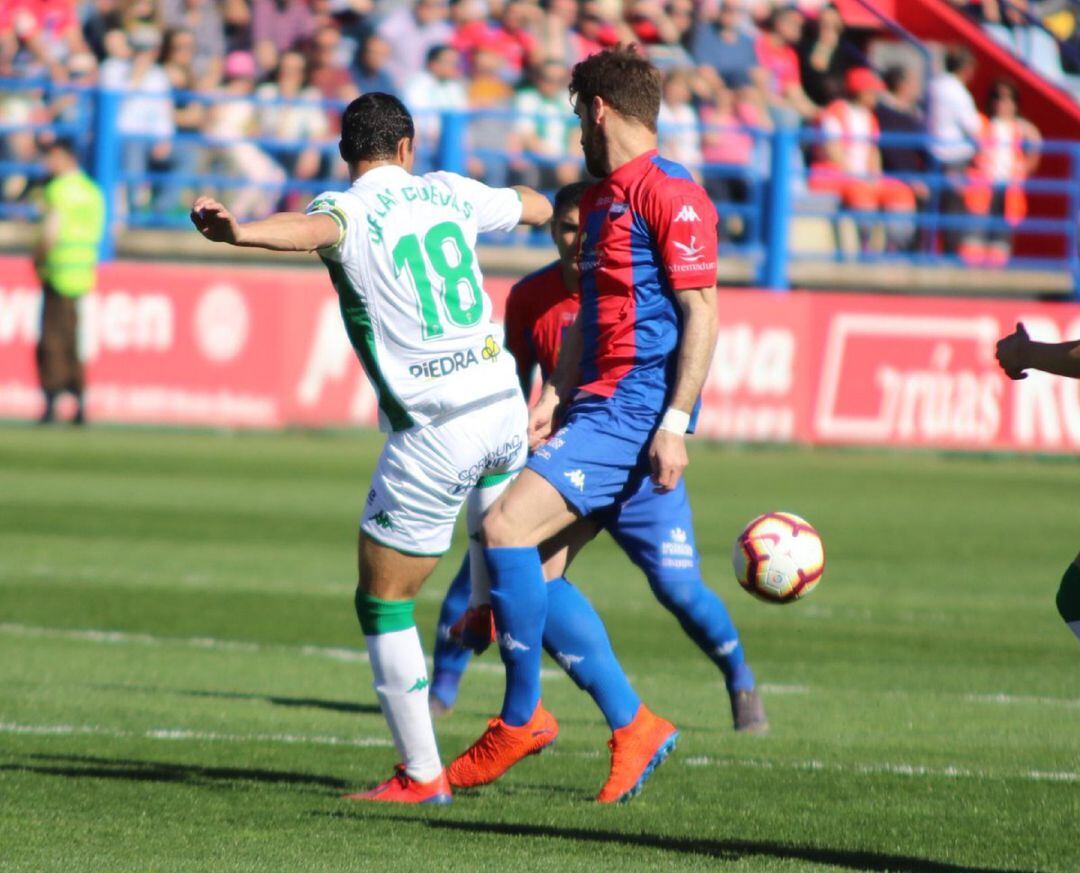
(400,250)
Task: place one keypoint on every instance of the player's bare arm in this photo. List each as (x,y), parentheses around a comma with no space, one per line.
(535,207)
(281,232)
(1018,352)
(668,450)
(558,388)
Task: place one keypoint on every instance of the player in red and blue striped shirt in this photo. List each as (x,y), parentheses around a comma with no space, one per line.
(630,373)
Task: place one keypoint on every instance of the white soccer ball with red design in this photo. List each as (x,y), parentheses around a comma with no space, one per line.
(779,557)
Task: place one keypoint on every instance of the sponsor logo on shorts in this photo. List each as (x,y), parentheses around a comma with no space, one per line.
(502,458)
(447,365)
(382,519)
(678,554)
(577,478)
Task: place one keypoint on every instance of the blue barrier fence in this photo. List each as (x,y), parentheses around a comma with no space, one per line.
(767,200)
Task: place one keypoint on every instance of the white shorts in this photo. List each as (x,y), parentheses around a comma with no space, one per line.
(426,474)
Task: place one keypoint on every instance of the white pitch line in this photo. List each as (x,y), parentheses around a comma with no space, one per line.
(194,735)
(886,769)
(1013,699)
(125,638)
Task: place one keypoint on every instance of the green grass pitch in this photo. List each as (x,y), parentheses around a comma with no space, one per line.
(182,684)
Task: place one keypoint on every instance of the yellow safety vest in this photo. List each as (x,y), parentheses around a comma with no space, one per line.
(71,262)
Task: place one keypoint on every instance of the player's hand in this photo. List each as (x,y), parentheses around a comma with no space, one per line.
(668,458)
(214,221)
(542,417)
(1012,352)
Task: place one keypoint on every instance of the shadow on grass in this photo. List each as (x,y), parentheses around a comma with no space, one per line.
(727,850)
(127,769)
(275,699)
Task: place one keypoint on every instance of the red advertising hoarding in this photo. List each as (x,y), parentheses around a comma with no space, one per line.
(261,347)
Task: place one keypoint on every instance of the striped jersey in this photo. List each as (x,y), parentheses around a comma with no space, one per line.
(648,231)
(411,292)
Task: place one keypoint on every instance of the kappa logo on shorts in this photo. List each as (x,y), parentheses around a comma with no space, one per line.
(382,519)
(577,478)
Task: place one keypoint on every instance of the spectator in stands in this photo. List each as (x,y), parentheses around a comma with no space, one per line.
(781,77)
(726,45)
(189,115)
(145,118)
(729,122)
(370,70)
(512,36)
(437,88)
(658,32)
(554,37)
(544,126)
(329,72)
(278,26)
(955,128)
(898,112)
(291,112)
(412,32)
(492,143)
(1008,154)
(599,26)
(100,18)
(202,18)
(823,57)
(677,124)
(237,17)
(1012,25)
(232,122)
(849,163)
(47,31)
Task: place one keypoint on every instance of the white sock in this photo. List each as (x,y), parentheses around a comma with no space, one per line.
(401,681)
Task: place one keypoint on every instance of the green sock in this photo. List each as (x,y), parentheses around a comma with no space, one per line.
(1068,598)
(378,616)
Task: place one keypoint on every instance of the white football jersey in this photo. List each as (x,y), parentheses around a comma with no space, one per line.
(411,292)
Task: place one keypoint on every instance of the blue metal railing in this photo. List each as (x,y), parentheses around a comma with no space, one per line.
(770,181)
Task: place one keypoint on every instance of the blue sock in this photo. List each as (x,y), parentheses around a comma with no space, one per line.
(706,621)
(519,602)
(575,636)
(450,658)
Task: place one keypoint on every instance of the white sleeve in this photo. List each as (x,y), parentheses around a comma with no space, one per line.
(496,208)
(968,113)
(329,203)
(830,128)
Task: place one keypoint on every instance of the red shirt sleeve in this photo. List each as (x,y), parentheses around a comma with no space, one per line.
(683,221)
(518,332)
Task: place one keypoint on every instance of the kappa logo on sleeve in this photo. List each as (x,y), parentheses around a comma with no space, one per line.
(687,213)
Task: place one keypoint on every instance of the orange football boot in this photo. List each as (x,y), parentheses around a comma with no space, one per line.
(636,750)
(402,788)
(500,747)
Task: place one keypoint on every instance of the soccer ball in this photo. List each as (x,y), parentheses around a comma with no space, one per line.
(779,557)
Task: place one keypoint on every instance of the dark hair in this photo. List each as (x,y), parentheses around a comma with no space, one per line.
(957,58)
(435,51)
(999,85)
(61,144)
(622,78)
(372,126)
(569,196)
(894,75)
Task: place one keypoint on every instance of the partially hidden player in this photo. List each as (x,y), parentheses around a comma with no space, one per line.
(654,528)
(1017,353)
(630,371)
(400,250)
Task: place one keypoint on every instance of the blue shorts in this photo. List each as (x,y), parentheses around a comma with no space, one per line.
(600,456)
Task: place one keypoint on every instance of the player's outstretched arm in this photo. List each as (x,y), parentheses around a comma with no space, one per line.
(1018,352)
(281,232)
(667,453)
(535,207)
(558,387)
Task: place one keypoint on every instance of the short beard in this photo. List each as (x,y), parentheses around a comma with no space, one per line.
(596,154)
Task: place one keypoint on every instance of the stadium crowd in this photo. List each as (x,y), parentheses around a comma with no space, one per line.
(251,89)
